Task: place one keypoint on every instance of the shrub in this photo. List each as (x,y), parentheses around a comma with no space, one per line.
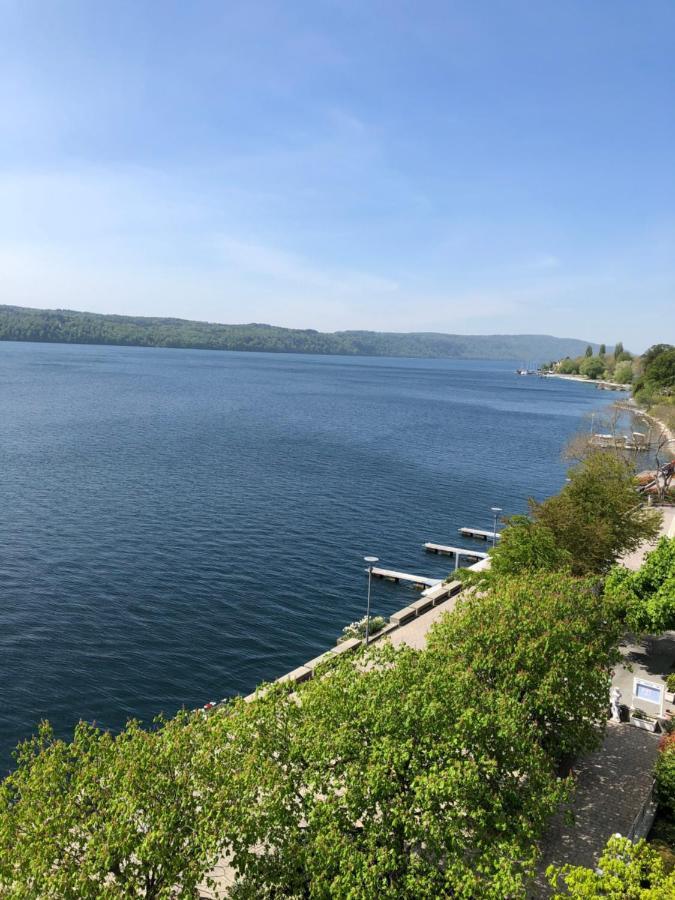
(358,629)
(664,774)
(626,871)
(568,367)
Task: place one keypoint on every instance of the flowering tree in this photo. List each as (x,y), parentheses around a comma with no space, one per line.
(105,816)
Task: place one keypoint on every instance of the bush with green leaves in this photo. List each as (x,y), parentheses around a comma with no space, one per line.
(664,774)
(625,871)
(647,595)
(358,629)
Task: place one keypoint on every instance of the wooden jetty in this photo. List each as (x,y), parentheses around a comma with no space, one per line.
(454,551)
(419,580)
(479,533)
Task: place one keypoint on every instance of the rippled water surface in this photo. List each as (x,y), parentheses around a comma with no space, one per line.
(177,525)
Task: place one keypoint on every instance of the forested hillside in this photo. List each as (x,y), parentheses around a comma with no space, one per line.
(66,326)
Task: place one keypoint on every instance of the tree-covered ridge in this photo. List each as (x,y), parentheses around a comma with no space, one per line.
(70,327)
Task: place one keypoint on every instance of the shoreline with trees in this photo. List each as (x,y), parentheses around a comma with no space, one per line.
(650,378)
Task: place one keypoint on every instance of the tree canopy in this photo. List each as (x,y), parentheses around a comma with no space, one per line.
(394,772)
(106,816)
(398,775)
(647,595)
(546,639)
(598,515)
(625,871)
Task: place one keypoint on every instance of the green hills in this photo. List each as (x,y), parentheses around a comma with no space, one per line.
(70,327)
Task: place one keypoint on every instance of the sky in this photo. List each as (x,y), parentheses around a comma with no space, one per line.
(464,166)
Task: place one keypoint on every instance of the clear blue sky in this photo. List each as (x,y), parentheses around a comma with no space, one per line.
(477,166)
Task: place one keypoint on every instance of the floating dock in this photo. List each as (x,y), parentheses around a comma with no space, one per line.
(419,580)
(454,551)
(479,533)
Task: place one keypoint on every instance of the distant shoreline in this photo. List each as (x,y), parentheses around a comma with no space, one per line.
(610,385)
(669,449)
(64,326)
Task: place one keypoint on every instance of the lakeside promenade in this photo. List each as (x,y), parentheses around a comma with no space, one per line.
(612,784)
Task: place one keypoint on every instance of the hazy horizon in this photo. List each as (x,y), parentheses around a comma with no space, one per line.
(466,168)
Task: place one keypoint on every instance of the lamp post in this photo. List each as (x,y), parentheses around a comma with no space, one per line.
(495,512)
(371,560)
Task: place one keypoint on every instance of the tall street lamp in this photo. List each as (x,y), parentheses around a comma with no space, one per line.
(371,560)
(495,512)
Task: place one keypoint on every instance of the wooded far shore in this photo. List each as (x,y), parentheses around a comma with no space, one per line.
(70,327)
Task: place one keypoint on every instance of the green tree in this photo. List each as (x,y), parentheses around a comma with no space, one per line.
(623,374)
(569,367)
(525,546)
(661,371)
(625,871)
(398,775)
(592,367)
(653,352)
(105,816)
(547,640)
(647,595)
(598,515)
(618,349)
(589,351)
(603,350)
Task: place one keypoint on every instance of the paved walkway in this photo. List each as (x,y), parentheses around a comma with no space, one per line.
(634,560)
(612,786)
(415,631)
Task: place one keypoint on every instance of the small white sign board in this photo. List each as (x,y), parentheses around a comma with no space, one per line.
(651,693)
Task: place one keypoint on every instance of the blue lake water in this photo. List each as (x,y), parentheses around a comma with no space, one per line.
(176,525)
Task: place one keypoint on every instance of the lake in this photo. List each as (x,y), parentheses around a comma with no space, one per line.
(178,525)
